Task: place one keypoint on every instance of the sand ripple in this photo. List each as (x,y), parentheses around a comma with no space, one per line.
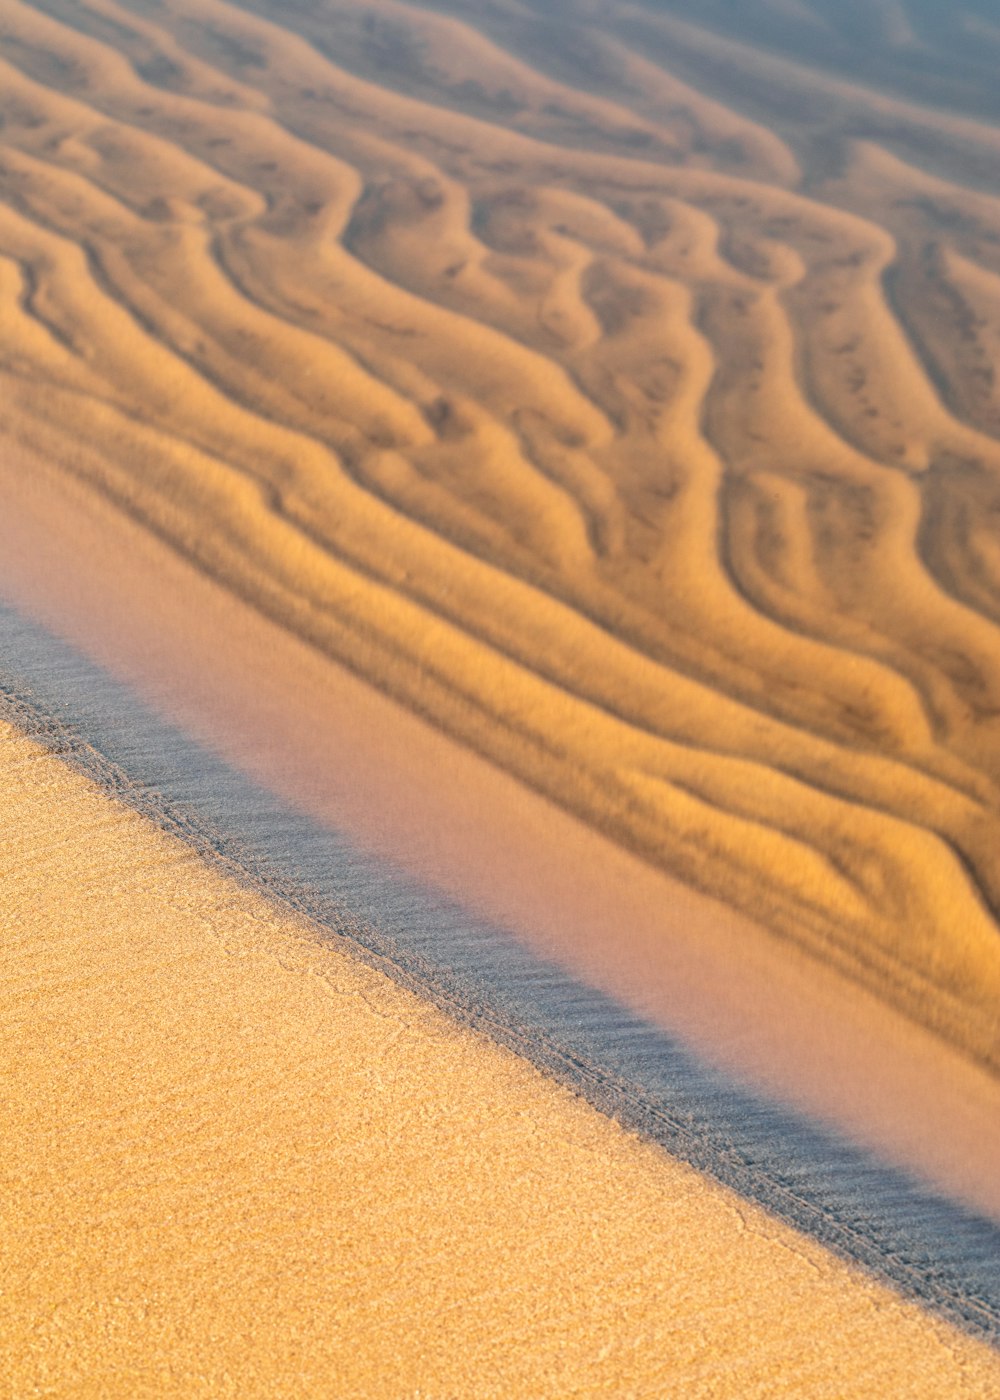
(618,395)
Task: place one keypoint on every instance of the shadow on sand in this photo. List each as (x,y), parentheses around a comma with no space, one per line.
(930,1249)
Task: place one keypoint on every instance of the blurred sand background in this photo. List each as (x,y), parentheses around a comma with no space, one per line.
(612,393)
(241,1163)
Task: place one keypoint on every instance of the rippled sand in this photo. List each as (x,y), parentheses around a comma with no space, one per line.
(241,1163)
(645,442)
(559,445)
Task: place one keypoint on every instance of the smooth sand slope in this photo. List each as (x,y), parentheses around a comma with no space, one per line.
(616,392)
(237,1162)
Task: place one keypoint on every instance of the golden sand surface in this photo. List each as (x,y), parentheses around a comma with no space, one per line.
(238,1162)
(614,390)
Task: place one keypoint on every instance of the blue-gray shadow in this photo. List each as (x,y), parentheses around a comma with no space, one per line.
(929,1248)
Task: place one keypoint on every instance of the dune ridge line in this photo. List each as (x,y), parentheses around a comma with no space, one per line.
(934,1253)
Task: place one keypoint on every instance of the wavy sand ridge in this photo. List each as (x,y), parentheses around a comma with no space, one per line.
(618,394)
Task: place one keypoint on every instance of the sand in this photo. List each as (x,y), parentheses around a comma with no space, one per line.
(558,447)
(618,394)
(356,761)
(238,1162)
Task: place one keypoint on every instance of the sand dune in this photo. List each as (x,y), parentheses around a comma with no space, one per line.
(242,1163)
(614,392)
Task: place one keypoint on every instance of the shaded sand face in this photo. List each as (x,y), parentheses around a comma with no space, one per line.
(238,1162)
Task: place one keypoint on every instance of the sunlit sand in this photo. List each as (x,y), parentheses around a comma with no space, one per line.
(241,1163)
(562,450)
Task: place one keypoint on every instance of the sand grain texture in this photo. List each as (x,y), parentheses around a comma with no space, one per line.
(237,1162)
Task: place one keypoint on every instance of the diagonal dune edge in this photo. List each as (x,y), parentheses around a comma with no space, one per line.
(934,1253)
(241,1162)
(338,758)
(557,457)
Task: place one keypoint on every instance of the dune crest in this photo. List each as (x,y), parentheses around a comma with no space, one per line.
(617,394)
(195,1205)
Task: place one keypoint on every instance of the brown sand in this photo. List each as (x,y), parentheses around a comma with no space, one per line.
(236,1162)
(619,394)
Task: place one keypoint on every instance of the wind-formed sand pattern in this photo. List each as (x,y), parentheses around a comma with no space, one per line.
(614,390)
